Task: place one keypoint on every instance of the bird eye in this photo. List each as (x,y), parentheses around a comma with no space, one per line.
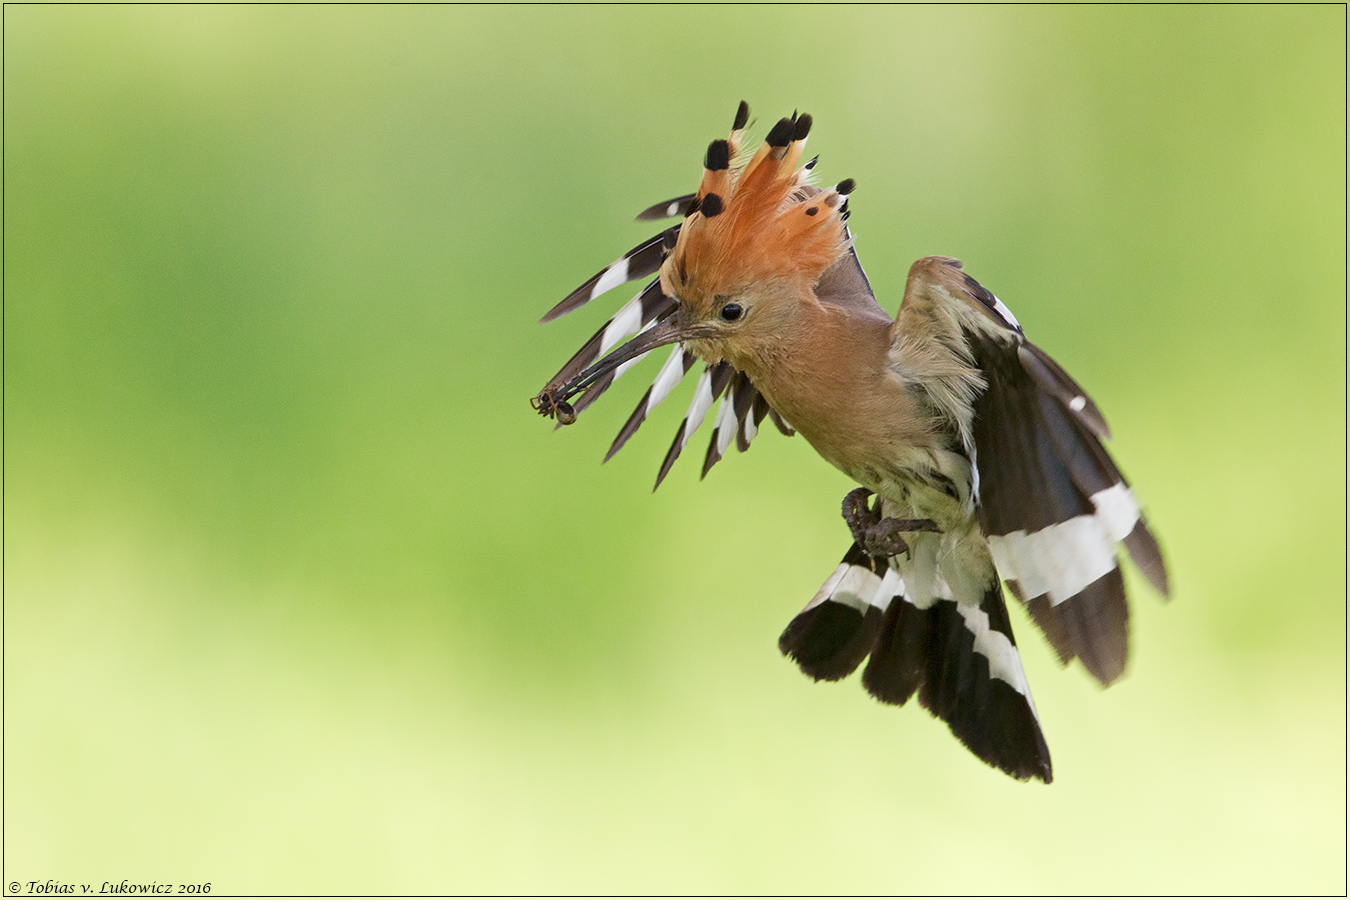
(731,312)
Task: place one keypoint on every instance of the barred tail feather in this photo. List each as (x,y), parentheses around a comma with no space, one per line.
(930,630)
(834,633)
(973,681)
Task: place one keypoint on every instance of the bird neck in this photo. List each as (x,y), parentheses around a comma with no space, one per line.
(831,381)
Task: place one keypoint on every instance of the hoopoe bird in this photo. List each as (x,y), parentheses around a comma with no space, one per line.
(984,457)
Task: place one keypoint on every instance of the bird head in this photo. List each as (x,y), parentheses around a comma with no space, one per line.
(754,241)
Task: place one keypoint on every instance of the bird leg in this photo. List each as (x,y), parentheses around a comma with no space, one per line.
(879,538)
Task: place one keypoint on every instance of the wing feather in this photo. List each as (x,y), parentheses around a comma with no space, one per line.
(1054,505)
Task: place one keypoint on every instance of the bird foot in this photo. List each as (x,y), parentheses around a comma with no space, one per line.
(879,538)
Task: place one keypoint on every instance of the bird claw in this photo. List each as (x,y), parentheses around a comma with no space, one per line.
(883,540)
(857,512)
(879,538)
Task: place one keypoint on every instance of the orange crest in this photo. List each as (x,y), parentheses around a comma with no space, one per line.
(757,221)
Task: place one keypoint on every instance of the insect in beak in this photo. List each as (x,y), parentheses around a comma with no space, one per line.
(552,401)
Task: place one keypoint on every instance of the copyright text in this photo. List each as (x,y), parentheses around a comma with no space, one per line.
(125,886)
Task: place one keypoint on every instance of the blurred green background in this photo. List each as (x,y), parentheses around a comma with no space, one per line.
(300,596)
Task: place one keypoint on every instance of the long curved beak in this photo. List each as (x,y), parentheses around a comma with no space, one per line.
(552,400)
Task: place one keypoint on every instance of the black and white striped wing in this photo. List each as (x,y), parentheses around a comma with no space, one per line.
(1051,501)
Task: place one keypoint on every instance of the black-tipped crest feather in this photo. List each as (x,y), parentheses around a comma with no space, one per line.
(781,134)
(718,157)
(742,116)
(802,127)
